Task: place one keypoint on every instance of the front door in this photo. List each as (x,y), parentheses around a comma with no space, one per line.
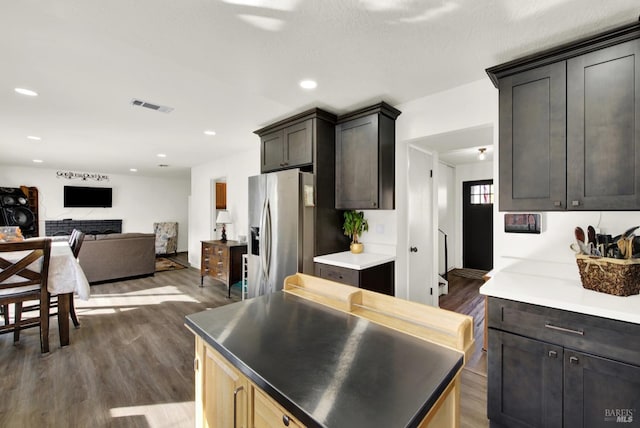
(477,224)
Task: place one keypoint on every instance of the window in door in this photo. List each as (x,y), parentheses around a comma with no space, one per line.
(481,194)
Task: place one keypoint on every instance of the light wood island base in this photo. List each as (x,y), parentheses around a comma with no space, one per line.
(226,397)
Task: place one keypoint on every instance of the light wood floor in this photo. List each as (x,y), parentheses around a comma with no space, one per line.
(130,364)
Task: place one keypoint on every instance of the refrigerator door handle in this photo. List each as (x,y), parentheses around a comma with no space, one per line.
(268,230)
(263,249)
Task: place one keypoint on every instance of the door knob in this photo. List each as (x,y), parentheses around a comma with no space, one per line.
(413,249)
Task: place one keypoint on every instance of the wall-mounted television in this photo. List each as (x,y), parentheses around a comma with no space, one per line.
(87,197)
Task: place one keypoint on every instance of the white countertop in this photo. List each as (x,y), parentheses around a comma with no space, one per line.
(560,292)
(347,259)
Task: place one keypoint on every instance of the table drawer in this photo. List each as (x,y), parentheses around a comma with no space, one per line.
(337,274)
(599,336)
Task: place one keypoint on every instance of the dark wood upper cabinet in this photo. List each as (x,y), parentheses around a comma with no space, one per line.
(365,158)
(533,140)
(289,147)
(603,124)
(570,126)
(307,141)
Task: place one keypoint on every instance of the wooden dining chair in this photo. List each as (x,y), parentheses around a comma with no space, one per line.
(24,268)
(75,242)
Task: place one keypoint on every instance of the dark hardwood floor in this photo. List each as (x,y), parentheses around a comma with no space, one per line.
(130,364)
(464,297)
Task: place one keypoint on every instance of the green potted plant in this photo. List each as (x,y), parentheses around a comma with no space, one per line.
(354,225)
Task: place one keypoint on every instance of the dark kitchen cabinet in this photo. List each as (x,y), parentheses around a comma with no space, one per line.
(569,120)
(553,368)
(526,382)
(365,158)
(532,148)
(376,278)
(600,392)
(307,141)
(603,129)
(289,147)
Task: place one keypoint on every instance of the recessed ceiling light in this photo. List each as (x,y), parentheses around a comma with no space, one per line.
(27,92)
(37,160)
(162,155)
(308,84)
(133,169)
(209,132)
(33,137)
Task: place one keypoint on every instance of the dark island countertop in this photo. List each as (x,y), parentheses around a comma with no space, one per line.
(326,367)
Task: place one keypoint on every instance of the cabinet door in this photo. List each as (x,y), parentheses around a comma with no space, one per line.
(357,163)
(221,391)
(524,384)
(268,414)
(603,120)
(272,148)
(337,274)
(600,392)
(532,140)
(298,144)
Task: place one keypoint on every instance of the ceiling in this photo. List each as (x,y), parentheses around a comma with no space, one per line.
(233,66)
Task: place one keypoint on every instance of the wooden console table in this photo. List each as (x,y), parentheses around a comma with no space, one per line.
(222,261)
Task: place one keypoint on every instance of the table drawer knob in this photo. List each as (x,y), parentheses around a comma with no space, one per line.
(285,420)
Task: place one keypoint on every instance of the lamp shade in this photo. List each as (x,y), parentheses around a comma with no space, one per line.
(223,217)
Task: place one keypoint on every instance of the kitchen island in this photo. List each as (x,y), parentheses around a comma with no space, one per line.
(326,354)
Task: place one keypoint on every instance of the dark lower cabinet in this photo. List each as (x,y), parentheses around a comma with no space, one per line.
(525,378)
(600,392)
(376,278)
(539,374)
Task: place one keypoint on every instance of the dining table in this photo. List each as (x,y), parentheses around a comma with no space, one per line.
(65,279)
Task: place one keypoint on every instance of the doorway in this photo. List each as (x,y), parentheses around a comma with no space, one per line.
(477,225)
(218,201)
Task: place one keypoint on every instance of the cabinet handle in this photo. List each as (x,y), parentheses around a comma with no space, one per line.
(553,354)
(285,420)
(574,360)
(373,204)
(235,404)
(575,203)
(413,249)
(557,203)
(564,330)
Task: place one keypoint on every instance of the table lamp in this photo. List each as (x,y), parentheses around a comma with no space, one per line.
(223,218)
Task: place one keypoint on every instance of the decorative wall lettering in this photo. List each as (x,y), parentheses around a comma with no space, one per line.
(84,176)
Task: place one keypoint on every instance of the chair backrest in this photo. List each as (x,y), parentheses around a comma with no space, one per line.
(75,242)
(19,262)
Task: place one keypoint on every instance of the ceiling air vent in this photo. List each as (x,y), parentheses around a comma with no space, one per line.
(145,104)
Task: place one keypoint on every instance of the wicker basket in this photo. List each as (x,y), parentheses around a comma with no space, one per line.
(620,277)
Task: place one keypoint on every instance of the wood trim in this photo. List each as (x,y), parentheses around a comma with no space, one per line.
(445,328)
(565,51)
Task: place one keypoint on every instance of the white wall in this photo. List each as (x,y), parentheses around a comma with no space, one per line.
(469,172)
(138,201)
(236,170)
(447,197)
(474,104)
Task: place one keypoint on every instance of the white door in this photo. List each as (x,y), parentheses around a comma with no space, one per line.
(423,248)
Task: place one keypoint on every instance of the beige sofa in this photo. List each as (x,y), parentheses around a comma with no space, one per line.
(117,256)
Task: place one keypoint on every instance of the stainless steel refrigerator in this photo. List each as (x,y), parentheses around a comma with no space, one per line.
(281,229)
